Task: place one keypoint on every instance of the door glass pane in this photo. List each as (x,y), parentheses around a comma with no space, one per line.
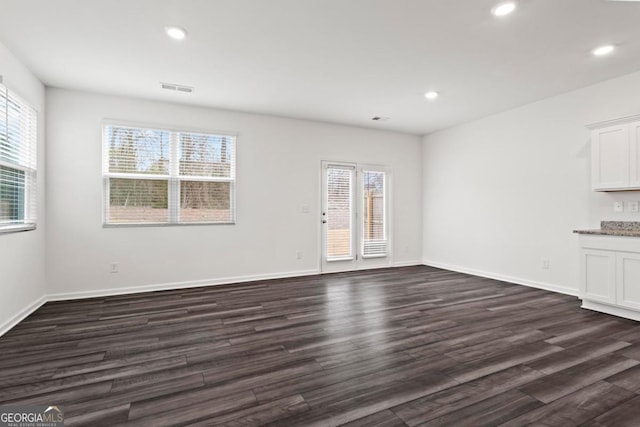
(339,213)
(374,240)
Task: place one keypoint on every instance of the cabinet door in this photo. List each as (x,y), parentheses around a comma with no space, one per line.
(610,151)
(598,276)
(628,279)
(634,141)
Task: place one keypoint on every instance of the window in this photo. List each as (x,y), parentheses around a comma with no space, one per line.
(374,233)
(156,176)
(18,162)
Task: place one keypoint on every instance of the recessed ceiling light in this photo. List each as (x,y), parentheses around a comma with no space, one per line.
(603,50)
(176,33)
(431,95)
(504,9)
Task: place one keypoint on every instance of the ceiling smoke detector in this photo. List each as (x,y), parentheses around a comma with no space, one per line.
(177,88)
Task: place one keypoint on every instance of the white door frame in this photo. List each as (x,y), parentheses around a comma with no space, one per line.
(357,261)
(345,263)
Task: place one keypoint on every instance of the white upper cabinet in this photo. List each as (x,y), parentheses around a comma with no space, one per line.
(634,140)
(610,158)
(615,156)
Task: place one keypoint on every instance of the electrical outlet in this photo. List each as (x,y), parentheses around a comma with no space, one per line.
(299,255)
(304,209)
(632,206)
(115,267)
(545,264)
(618,206)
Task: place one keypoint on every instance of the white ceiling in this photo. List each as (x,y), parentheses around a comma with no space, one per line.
(341,61)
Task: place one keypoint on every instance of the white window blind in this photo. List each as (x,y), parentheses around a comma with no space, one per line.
(18,162)
(155,176)
(339,215)
(374,233)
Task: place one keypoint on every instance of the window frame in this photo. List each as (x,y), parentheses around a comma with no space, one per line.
(173,178)
(30,202)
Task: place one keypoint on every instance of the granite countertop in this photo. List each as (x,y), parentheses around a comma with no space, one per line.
(615,228)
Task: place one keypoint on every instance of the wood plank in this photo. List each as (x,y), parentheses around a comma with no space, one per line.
(562,383)
(459,397)
(276,411)
(191,412)
(489,412)
(384,418)
(625,415)
(575,408)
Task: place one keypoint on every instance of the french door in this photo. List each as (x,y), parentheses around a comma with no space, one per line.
(355,217)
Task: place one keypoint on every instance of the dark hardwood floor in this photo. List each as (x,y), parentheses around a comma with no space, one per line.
(415,346)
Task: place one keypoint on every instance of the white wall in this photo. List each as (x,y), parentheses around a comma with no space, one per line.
(505,192)
(278,170)
(22,256)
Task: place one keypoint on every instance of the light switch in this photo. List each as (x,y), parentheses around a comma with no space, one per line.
(618,206)
(632,206)
(304,209)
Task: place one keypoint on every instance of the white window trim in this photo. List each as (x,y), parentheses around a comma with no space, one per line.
(173,178)
(31,191)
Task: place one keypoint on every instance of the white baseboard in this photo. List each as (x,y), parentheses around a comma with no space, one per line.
(176,285)
(504,278)
(407,263)
(9,324)
(609,309)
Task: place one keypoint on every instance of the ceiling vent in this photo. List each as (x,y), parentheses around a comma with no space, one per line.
(178,88)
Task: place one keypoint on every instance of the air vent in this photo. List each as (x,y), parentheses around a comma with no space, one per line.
(178,88)
(379,119)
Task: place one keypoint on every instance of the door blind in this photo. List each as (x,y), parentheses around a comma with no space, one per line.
(374,235)
(339,212)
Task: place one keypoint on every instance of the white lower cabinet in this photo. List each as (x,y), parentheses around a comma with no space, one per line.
(628,280)
(599,275)
(610,275)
